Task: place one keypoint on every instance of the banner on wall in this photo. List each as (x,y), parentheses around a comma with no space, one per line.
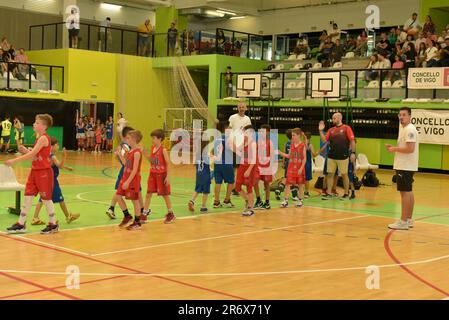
(432,125)
(428,78)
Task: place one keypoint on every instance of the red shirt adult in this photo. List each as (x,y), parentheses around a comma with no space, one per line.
(339,138)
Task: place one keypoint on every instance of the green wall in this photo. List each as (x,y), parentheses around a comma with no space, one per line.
(56,132)
(439,17)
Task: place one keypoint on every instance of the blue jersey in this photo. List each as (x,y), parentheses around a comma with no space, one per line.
(308,163)
(109,130)
(324,153)
(287,151)
(79,129)
(203,177)
(226,155)
(55,169)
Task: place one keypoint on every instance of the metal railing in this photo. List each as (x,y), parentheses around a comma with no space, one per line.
(127,41)
(282,78)
(37,76)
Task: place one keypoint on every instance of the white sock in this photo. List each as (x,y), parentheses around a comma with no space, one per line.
(26,208)
(50,210)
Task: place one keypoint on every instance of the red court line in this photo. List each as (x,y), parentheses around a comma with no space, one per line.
(406,269)
(59,287)
(122,267)
(44,288)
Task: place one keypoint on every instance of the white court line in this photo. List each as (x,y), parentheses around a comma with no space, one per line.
(261,273)
(225,236)
(50,245)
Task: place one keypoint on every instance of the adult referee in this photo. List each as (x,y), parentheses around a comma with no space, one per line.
(406,157)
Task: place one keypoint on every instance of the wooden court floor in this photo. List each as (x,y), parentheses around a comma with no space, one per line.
(321,251)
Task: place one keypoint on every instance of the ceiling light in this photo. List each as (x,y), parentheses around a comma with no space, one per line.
(227,12)
(110,6)
(214,13)
(234,18)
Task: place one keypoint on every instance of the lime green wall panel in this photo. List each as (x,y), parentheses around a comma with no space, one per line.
(370,147)
(445,159)
(430,156)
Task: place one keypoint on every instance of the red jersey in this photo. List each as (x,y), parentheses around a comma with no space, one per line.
(129,166)
(157,160)
(42,159)
(249,155)
(264,153)
(296,159)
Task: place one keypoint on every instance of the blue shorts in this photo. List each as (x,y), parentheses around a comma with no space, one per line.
(224,173)
(202,187)
(285,170)
(119,177)
(57,193)
(109,136)
(351,172)
(308,172)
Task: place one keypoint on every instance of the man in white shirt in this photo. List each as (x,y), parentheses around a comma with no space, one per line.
(406,160)
(104,34)
(412,24)
(335,33)
(73,25)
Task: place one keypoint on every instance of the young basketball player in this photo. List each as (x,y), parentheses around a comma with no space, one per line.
(130,183)
(109,133)
(158,181)
(19,129)
(281,185)
(248,171)
(265,151)
(6,134)
(80,134)
(120,153)
(98,139)
(352,173)
(203,179)
(57,196)
(223,167)
(40,179)
(311,154)
(296,167)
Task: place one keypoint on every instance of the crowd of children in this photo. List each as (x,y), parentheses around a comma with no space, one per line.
(6,128)
(94,136)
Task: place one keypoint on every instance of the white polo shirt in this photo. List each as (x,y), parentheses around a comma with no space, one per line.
(237,123)
(407,161)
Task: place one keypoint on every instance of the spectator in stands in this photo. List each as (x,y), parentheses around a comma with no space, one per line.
(228,81)
(221,40)
(444,54)
(335,33)
(326,52)
(362,44)
(5,46)
(73,25)
(401,36)
(384,63)
(104,35)
(429,26)
(373,64)
(412,25)
(338,52)
(172,39)
(145,30)
(431,52)
(419,40)
(3,65)
(383,46)
(421,55)
(399,65)
(410,56)
(22,58)
(323,37)
(350,44)
(392,37)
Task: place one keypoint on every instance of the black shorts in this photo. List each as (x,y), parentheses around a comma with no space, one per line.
(404,180)
(74,32)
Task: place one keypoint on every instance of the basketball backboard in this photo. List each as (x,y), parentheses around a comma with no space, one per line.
(326,84)
(248,85)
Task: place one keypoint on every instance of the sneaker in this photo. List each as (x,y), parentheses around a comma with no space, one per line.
(345,197)
(306,195)
(295,199)
(143,218)
(170,218)
(125,221)
(147,212)
(284,204)
(334,193)
(228,204)
(134,226)
(326,196)
(203,210)
(37,222)
(190,206)
(72,217)
(411,223)
(217,204)
(298,203)
(50,228)
(352,196)
(399,225)
(258,205)
(323,191)
(247,213)
(266,206)
(111,214)
(17,228)
(277,194)
(235,193)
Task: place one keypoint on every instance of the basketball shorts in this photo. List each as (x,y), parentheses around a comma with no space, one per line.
(224,173)
(202,187)
(156,184)
(296,180)
(5,139)
(57,196)
(132,193)
(249,182)
(404,180)
(40,182)
(266,178)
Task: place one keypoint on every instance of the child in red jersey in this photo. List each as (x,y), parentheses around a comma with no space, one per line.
(248,171)
(40,179)
(265,153)
(158,179)
(98,139)
(130,183)
(296,174)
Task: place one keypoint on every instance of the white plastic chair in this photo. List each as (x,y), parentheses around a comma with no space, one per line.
(317,65)
(291,85)
(374,84)
(292,57)
(298,66)
(351,84)
(280,66)
(349,55)
(302,56)
(398,84)
(301,85)
(386,84)
(338,65)
(364,164)
(318,164)
(273,85)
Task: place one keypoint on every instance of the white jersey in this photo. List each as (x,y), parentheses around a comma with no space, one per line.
(407,161)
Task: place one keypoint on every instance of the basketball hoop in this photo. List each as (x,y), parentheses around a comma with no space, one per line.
(324,93)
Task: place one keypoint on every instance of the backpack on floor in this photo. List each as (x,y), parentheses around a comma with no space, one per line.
(370,180)
(319,183)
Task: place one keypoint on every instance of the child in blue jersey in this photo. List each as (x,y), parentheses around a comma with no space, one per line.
(203,178)
(310,154)
(223,167)
(281,185)
(57,196)
(80,134)
(109,133)
(352,173)
(123,149)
